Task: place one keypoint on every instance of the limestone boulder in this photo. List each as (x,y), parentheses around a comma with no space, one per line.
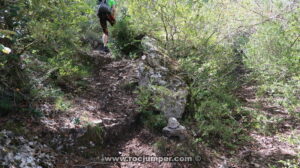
(161,74)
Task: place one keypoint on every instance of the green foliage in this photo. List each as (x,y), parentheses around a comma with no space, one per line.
(69,70)
(154,122)
(170,21)
(94,134)
(152,119)
(126,40)
(36,113)
(266,124)
(161,146)
(273,54)
(12,79)
(211,39)
(187,148)
(290,163)
(218,117)
(144,98)
(6,106)
(212,106)
(16,127)
(62,104)
(57,35)
(217,110)
(293,139)
(188,30)
(77,121)
(46,38)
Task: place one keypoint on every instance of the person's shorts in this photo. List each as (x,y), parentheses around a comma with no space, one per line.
(104,18)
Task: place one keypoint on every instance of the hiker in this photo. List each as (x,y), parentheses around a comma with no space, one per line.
(106,12)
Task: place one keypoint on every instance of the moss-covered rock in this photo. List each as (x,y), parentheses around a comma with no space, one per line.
(161,74)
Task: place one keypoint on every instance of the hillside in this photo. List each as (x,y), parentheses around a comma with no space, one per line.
(212,84)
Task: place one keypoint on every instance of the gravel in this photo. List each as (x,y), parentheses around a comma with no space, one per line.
(16,151)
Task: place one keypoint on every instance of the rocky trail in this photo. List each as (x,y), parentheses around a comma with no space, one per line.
(106,102)
(103,121)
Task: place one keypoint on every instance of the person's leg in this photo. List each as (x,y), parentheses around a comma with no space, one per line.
(105,36)
(103,22)
(105,39)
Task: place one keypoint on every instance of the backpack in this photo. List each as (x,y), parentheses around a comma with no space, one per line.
(104,7)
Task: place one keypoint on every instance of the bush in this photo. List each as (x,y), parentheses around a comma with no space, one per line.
(45,41)
(62,104)
(125,39)
(212,107)
(153,120)
(272,54)
(6,106)
(216,116)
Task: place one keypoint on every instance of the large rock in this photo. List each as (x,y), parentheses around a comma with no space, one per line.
(158,72)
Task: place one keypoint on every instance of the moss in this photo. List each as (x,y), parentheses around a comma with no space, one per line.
(130,86)
(161,146)
(93,134)
(62,104)
(15,127)
(6,106)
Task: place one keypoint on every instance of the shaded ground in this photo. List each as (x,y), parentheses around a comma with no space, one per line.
(107,101)
(269,143)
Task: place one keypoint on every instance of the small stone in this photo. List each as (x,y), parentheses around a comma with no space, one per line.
(23,153)
(97,122)
(173,123)
(174,129)
(59,148)
(92,144)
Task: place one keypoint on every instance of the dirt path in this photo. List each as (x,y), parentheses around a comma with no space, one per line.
(108,100)
(277,136)
(112,94)
(114,85)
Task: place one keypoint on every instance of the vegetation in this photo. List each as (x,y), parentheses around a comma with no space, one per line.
(150,117)
(45,38)
(221,46)
(126,41)
(214,48)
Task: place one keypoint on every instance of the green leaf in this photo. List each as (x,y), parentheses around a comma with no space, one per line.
(7,32)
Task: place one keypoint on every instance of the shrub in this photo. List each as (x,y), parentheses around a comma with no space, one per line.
(212,107)
(272,54)
(125,39)
(149,117)
(62,104)
(217,116)
(6,106)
